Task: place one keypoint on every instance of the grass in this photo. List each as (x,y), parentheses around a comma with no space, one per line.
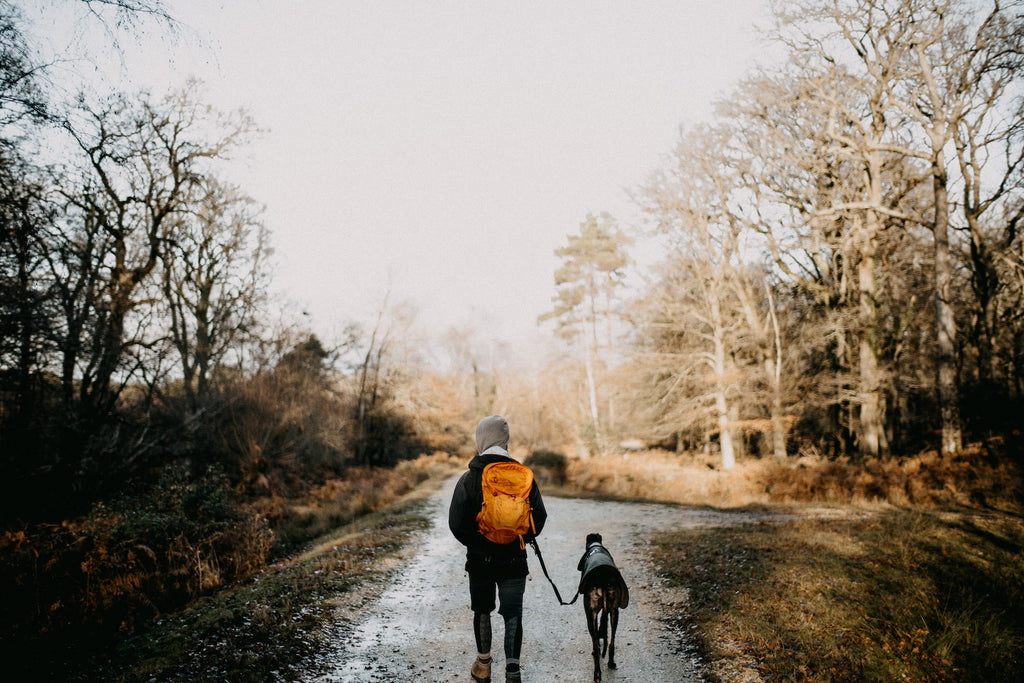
(977,477)
(272,626)
(341,500)
(894,595)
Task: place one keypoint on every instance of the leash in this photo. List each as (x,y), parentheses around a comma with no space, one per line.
(536,549)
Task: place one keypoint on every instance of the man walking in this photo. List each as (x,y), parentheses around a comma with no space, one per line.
(493,567)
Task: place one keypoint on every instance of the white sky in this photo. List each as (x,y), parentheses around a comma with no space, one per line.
(445,149)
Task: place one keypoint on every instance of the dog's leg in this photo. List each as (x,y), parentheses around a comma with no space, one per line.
(591,608)
(611,636)
(604,626)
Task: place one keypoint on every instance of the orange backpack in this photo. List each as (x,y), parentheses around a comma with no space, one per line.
(506,513)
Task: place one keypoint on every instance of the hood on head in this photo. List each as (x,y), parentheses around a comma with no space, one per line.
(492,431)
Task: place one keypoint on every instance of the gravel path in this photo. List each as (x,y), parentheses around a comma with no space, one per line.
(420,629)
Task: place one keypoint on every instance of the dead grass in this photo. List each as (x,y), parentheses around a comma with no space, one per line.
(897,595)
(668,477)
(975,478)
(338,501)
(923,583)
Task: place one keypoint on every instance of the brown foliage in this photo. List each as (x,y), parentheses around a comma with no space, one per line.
(339,500)
(129,560)
(926,479)
(80,583)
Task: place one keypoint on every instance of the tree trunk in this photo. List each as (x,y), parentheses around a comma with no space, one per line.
(870,424)
(985,279)
(724,432)
(938,130)
(949,411)
(773,369)
(588,363)
(777,419)
(721,401)
(593,360)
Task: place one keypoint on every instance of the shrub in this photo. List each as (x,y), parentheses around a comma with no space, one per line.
(550,467)
(338,501)
(132,558)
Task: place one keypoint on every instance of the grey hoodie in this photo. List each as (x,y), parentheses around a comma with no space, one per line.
(492,435)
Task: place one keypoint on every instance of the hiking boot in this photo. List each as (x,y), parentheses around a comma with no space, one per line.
(512,674)
(481,670)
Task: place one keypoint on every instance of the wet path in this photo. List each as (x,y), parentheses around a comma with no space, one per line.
(420,629)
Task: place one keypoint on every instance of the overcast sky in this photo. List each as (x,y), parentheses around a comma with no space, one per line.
(440,149)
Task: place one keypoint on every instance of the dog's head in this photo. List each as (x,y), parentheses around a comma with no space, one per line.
(593,538)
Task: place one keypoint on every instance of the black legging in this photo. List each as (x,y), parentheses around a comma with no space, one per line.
(509,591)
(513,634)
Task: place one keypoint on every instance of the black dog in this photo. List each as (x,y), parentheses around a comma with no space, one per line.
(605,594)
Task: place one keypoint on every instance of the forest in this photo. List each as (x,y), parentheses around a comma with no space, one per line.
(838,289)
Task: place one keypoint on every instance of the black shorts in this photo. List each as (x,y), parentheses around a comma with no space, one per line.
(497,565)
(510,592)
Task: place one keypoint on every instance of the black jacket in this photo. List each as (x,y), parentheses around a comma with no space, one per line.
(498,560)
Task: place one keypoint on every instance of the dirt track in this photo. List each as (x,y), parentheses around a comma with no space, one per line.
(420,629)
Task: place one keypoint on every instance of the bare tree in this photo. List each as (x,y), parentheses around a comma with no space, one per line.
(922,26)
(27,313)
(839,163)
(969,67)
(214,279)
(389,353)
(700,307)
(861,129)
(474,358)
(21,92)
(935,71)
(790,179)
(141,161)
